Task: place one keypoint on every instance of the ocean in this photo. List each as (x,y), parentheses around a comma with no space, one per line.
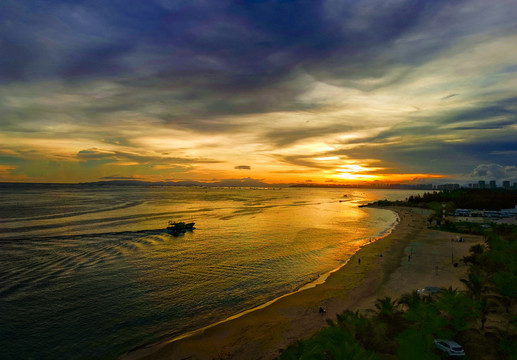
(90,272)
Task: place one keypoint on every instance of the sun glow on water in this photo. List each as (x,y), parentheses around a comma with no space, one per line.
(100,255)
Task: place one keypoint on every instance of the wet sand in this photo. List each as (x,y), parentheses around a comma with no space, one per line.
(263,333)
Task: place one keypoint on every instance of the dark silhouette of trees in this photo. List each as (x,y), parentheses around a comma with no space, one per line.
(488,199)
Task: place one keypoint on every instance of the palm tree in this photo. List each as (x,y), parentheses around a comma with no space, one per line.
(348,319)
(386,308)
(476,282)
(410,299)
(486,306)
(356,324)
(457,308)
(506,284)
(475,254)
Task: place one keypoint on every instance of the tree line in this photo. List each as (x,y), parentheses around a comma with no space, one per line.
(487,199)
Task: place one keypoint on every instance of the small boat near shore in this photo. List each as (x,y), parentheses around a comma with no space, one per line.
(177,227)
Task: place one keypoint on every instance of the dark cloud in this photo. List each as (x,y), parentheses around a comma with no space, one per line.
(95,154)
(442,143)
(118,178)
(11,159)
(504,108)
(499,115)
(16,63)
(201,66)
(305,161)
(204,59)
(107,156)
(290,135)
(243,167)
(449,96)
(248,43)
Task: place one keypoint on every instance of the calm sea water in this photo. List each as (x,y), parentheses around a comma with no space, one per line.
(90,272)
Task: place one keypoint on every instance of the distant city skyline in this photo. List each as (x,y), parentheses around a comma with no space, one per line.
(336,92)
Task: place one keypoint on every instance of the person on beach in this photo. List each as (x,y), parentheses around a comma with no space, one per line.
(359,261)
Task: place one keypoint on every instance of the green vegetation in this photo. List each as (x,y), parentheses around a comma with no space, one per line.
(329,343)
(483,319)
(463,227)
(487,199)
(481,199)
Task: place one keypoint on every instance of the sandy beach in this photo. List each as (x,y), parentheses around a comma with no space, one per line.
(413,257)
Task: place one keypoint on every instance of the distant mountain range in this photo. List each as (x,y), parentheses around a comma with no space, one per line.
(246,182)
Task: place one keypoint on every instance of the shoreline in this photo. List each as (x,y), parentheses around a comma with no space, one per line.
(262,332)
(140,352)
(144,350)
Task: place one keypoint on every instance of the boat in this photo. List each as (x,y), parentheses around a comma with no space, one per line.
(177,227)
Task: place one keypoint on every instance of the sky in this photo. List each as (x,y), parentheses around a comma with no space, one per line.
(330,91)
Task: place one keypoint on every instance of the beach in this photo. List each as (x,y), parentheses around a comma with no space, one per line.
(411,257)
